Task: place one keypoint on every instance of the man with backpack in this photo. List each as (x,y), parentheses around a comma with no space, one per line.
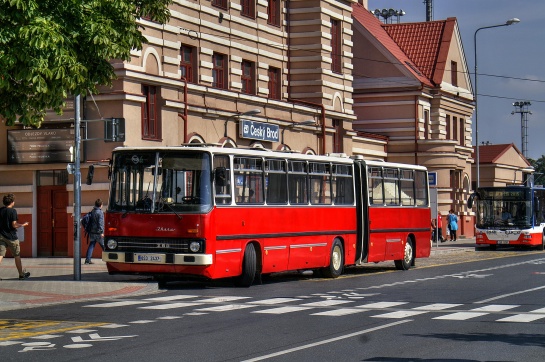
(95,230)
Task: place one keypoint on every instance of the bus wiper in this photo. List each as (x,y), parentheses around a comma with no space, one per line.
(171,208)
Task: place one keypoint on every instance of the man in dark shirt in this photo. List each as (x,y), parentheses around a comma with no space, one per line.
(96,233)
(8,234)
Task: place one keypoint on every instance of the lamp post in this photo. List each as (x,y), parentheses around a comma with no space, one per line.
(251,112)
(508,22)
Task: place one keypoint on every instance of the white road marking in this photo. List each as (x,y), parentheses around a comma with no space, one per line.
(494,308)
(437,306)
(461,316)
(171,297)
(326,341)
(220,299)
(281,310)
(116,304)
(399,314)
(225,308)
(510,295)
(340,312)
(381,305)
(275,301)
(522,318)
(326,303)
(171,305)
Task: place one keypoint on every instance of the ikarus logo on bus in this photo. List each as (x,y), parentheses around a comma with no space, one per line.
(160,228)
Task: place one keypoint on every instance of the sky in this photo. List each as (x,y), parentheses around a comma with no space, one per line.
(510,62)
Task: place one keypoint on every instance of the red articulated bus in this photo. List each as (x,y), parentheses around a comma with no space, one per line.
(202,211)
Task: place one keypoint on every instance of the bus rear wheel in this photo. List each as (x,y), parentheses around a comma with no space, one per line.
(408,256)
(249,267)
(542,246)
(336,261)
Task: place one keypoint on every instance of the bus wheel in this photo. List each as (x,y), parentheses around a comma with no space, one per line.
(542,246)
(249,267)
(336,261)
(408,256)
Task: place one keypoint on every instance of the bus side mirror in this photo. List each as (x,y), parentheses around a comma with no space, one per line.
(221,175)
(90,174)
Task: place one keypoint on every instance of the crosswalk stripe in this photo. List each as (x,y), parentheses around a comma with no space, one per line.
(340,312)
(275,301)
(172,297)
(437,306)
(494,308)
(461,316)
(282,310)
(381,305)
(400,314)
(220,299)
(522,318)
(326,303)
(224,308)
(116,304)
(171,305)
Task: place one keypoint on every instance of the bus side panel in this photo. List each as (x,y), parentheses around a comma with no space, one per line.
(290,237)
(390,227)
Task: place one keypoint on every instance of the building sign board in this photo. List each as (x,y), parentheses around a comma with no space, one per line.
(259,131)
(40,145)
(432,178)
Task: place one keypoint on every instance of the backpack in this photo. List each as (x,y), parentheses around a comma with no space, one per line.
(86,222)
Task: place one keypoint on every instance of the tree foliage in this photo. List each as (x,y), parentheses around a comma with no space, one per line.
(539,167)
(51,49)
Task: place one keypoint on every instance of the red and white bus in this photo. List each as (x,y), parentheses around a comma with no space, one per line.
(510,215)
(201,211)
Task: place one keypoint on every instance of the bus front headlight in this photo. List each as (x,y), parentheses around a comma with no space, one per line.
(195,246)
(111,244)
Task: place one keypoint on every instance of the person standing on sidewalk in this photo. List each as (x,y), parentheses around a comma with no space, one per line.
(453,224)
(96,233)
(8,234)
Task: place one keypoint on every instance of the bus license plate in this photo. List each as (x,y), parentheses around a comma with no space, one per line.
(149,258)
(503,241)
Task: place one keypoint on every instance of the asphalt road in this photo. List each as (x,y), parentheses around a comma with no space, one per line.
(457,306)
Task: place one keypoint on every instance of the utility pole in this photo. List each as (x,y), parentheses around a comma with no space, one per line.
(522,108)
(77,188)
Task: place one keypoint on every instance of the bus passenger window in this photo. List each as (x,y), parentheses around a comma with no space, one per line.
(248,180)
(276,182)
(376,196)
(407,188)
(223,187)
(298,182)
(342,182)
(320,183)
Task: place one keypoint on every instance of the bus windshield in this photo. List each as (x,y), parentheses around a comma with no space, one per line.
(160,182)
(504,208)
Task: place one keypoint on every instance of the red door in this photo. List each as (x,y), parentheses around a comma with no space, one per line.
(52,221)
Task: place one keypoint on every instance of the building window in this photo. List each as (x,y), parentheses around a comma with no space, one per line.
(275,84)
(248,77)
(448,126)
(273,12)
(454,73)
(426,124)
(151,126)
(219,74)
(338,137)
(220,3)
(455,134)
(248,8)
(462,132)
(188,63)
(336,46)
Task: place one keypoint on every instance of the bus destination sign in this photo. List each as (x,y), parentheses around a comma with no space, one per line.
(259,131)
(40,145)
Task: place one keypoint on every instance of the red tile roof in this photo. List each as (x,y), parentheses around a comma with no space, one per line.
(426,44)
(491,153)
(376,29)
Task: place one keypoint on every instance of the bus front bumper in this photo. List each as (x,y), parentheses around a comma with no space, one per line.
(157,258)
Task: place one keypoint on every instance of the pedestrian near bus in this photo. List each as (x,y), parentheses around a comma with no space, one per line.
(96,230)
(8,234)
(452,224)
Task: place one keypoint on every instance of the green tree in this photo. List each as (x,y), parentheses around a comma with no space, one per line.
(539,167)
(52,49)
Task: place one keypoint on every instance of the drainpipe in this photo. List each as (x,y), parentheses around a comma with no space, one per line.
(416,130)
(184,114)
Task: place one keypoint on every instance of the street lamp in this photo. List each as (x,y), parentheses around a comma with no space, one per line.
(251,112)
(508,22)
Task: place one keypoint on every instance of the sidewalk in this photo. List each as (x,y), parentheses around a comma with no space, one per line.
(52,282)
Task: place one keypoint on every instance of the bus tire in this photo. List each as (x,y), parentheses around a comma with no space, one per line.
(249,267)
(336,261)
(542,246)
(408,256)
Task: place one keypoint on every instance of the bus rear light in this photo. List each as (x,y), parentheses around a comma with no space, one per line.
(527,237)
